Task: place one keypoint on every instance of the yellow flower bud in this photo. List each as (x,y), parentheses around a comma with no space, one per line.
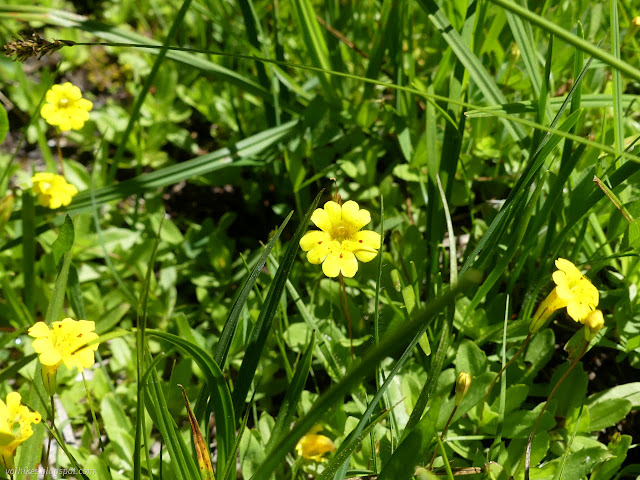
(593,324)
(462,386)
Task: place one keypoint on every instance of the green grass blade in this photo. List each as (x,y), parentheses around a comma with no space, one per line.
(20,316)
(263,325)
(141,343)
(292,397)
(570,38)
(392,343)
(473,65)
(618,128)
(342,456)
(218,390)
(413,449)
(225,157)
(113,34)
(228,332)
(182,462)
(314,42)
(54,310)
(524,39)
(148,82)
(29,252)
(254,31)
(432,379)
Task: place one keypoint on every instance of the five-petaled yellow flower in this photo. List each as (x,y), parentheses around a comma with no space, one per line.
(65,107)
(340,243)
(313,446)
(15,427)
(52,190)
(63,344)
(573,290)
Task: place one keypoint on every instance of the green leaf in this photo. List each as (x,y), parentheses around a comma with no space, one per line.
(608,413)
(65,239)
(628,391)
(54,310)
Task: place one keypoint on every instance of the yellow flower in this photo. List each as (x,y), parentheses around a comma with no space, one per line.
(313,446)
(340,243)
(573,291)
(63,344)
(53,190)
(65,107)
(462,386)
(15,427)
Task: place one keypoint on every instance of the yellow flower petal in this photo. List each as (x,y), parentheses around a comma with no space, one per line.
(320,219)
(334,211)
(320,252)
(313,239)
(352,214)
(578,310)
(40,329)
(50,357)
(348,263)
(331,265)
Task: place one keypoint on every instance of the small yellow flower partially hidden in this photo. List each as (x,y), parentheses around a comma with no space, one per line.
(63,344)
(462,386)
(65,107)
(340,243)
(573,291)
(15,427)
(313,446)
(53,190)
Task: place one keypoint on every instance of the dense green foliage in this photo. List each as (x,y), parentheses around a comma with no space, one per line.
(472,131)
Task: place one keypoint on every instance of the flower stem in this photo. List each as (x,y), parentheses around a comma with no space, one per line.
(59,152)
(96,425)
(346,311)
(46,457)
(546,404)
(444,431)
(499,374)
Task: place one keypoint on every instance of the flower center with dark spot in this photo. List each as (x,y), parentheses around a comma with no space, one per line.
(63,103)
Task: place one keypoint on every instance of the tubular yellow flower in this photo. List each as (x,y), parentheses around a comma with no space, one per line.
(15,427)
(313,446)
(573,291)
(63,344)
(65,107)
(340,243)
(462,386)
(53,190)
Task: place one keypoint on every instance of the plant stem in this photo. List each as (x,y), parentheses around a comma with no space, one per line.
(507,365)
(444,431)
(546,404)
(59,152)
(346,311)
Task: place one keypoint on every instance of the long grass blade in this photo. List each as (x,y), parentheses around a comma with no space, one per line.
(263,324)
(218,391)
(231,324)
